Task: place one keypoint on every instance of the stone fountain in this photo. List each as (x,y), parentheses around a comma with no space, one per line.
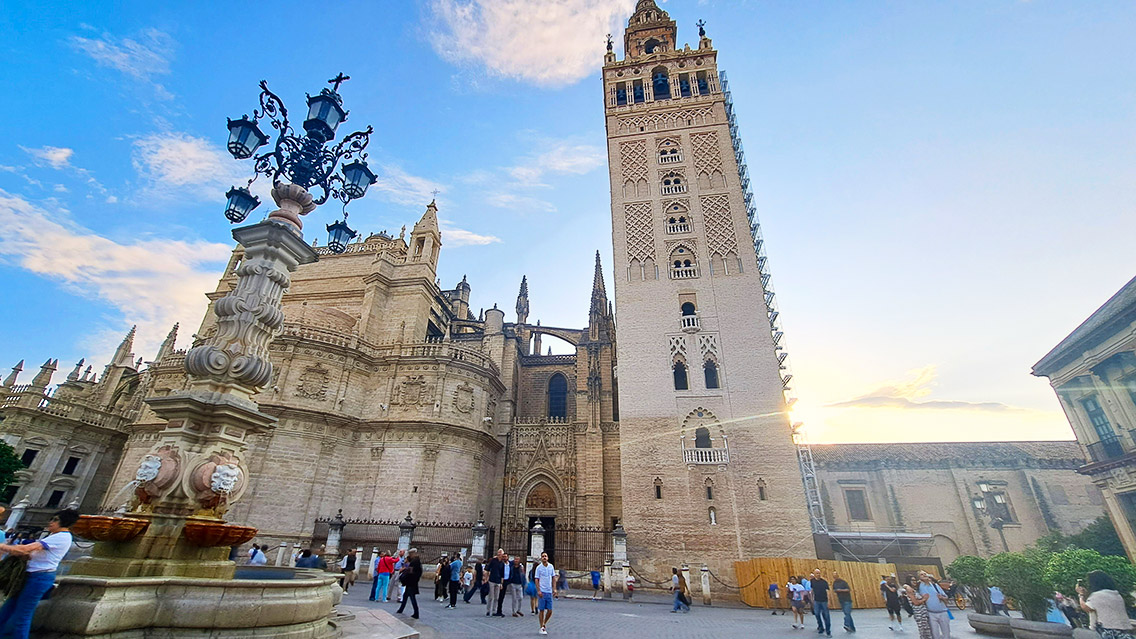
(162,570)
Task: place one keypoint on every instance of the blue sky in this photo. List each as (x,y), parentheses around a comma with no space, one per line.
(947,189)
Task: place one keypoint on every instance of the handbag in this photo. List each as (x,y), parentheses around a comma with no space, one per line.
(13,572)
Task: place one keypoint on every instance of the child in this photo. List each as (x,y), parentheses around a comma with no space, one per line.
(630,581)
(595,585)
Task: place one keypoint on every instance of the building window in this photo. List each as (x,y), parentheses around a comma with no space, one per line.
(711,371)
(1109,443)
(684,85)
(703,84)
(661,83)
(55,499)
(683,264)
(28,457)
(702,437)
(621,95)
(658,488)
(71,465)
(637,91)
(761,489)
(709,492)
(687,308)
(680,376)
(999,505)
(9,493)
(673,183)
(558,396)
(857,501)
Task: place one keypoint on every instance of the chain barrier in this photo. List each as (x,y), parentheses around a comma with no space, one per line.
(653,583)
(738,588)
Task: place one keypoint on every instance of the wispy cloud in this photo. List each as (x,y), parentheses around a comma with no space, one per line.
(907,393)
(141,57)
(515,187)
(561,157)
(180,164)
(403,188)
(153,282)
(454,236)
(551,43)
(54,156)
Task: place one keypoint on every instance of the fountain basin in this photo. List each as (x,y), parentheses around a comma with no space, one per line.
(174,607)
(208,533)
(113,529)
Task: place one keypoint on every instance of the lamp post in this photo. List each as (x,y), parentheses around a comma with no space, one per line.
(996,522)
(303,161)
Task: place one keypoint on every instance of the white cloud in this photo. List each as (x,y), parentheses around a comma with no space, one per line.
(453,236)
(180,164)
(508,200)
(142,57)
(153,282)
(550,43)
(111,199)
(559,157)
(403,188)
(54,156)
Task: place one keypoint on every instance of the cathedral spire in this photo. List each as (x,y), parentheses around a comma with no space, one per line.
(10,381)
(168,344)
(426,238)
(74,376)
(46,370)
(124,356)
(599,293)
(523,301)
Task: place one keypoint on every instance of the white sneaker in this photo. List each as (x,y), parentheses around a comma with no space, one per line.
(543,631)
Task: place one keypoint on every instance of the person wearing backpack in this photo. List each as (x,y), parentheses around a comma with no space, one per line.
(43,557)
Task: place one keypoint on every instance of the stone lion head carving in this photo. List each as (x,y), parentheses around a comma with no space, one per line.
(224,478)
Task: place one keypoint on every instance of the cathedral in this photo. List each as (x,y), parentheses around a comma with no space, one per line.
(392,395)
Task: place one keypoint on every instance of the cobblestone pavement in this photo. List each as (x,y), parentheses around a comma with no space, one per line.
(586,619)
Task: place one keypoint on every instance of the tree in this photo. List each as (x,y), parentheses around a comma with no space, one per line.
(1099,536)
(970,572)
(1066,567)
(9,464)
(1021,575)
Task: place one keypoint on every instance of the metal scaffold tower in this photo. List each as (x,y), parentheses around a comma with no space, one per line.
(804,452)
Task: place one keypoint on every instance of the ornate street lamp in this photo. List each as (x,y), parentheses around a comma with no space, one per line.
(303,160)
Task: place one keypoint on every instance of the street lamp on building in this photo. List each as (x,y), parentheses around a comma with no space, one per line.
(303,160)
(996,522)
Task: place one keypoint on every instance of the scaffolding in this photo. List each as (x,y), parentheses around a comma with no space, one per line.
(804,452)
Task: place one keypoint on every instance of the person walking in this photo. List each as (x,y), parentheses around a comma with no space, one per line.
(516,584)
(820,604)
(775,597)
(998,601)
(546,587)
(919,611)
(678,587)
(477,586)
(307,559)
(257,556)
(441,578)
(797,601)
(595,575)
(348,563)
(562,584)
(455,579)
(891,602)
(530,588)
(43,556)
(936,602)
(409,577)
(495,578)
(844,597)
(1105,606)
(396,584)
(467,581)
(384,567)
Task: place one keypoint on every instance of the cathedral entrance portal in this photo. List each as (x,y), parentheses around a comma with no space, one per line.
(549,524)
(540,505)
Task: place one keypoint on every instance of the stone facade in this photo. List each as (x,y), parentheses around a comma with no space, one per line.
(919,499)
(1093,372)
(692,305)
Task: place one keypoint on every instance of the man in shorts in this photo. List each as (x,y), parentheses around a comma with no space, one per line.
(545,576)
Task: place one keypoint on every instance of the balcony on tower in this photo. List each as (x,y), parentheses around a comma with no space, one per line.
(689,323)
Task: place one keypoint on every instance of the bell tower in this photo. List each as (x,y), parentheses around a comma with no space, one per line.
(702,411)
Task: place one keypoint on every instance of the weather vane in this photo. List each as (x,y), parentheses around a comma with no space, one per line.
(609,43)
(701,24)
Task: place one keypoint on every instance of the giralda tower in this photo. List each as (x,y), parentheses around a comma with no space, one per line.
(709,468)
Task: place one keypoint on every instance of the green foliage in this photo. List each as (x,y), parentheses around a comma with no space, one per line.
(1021,575)
(1066,567)
(970,572)
(1099,536)
(9,464)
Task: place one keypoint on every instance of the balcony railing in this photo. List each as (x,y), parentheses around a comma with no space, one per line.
(1105,449)
(678,227)
(706,455)
(684,273)
(670,159)
(689,323)
(671,189)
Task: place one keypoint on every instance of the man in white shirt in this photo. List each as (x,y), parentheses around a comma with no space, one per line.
(44,556)
(257,556)
(545,577)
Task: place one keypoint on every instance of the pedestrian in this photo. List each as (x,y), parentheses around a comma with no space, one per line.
(409,577)
(307,559)
(775,597)
(1104,604)
(384,568)
(998,601)
(892,603)
(321,563)
(820,604)
(495,578)
(797,601)
(546,587)
(936,603)
(477,586)
(883,588)
(43,557)
(919,611)
(516,584)
(257,556)
(348,564)
(441,578)
(530,588)
(844,597)
(467,581)
(678,587)
(595,585)
(396,584)
(455,579)
(562,584)
(629,583)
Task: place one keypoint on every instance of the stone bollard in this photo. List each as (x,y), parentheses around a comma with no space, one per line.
(705,584)
(537,532)
(618,579)
(480,530)
(280,553)
(17,514)
(405,532)
(607,578)
(360,565)
(334,534)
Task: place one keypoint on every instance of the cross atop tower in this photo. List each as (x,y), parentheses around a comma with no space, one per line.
(338,80)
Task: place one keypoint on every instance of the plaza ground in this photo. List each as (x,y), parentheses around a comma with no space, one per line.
(582,618)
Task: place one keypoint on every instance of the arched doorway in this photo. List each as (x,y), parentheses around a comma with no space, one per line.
(540,505)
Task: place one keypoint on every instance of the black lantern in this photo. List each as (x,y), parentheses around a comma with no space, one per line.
(357,176)
(245,137)
(324,115)
(338,235)
(240,204)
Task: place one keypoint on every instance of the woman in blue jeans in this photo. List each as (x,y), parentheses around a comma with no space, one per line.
(43,556)
(678,585)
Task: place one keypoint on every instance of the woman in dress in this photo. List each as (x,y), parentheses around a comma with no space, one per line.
(1105,606)
(409,578)
(919,606)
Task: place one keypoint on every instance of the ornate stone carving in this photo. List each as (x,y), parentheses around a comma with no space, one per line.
(640,235)
(720,237)
(633,161)
(463,398)
(157,472)
(707,154)
(313,383)
(216,481)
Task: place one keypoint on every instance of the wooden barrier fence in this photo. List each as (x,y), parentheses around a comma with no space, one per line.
(863,578)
